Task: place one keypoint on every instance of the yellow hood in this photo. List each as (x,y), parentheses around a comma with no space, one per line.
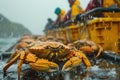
(77,2)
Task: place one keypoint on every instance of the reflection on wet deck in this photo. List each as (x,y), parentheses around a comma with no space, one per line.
(103,70)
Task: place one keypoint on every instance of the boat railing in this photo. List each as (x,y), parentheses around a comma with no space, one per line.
(83,17)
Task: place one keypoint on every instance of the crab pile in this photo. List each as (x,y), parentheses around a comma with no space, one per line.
(54,57)
(45,57)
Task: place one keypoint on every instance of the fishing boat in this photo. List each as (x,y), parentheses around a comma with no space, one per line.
(100,23)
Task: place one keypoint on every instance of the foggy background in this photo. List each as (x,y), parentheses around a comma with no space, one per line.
(33,14)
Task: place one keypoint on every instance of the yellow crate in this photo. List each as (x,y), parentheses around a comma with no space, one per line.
(106,32)
(74,32)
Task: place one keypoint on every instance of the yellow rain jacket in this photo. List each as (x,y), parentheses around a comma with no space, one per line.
(62,14)
(76,9)
(108,3)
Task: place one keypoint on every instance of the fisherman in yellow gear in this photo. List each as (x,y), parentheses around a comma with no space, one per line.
(60,16)
(75,8)
(109,3)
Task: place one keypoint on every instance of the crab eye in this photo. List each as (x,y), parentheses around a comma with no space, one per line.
(28,42)
(61,47)
(48,47)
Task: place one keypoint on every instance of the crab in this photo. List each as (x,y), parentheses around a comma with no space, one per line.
(22,45)
(88,47)
(45,57)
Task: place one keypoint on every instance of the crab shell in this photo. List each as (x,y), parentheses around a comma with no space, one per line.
(24,43)
(50,50)
(88,47)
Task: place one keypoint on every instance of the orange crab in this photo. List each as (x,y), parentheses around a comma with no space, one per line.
(45,57)
(88,47)
(22,45)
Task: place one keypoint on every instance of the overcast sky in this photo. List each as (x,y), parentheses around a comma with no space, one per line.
(33,14)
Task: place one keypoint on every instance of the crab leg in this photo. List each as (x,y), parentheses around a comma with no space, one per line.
(22,57)
(44,65)
(86,61)
(75,61)
(99,52)
(39,64)
(12,56)
(10,63)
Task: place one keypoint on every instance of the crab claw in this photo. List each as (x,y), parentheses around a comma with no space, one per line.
(71,64)
(86,49)
(44,66)
(75,61)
